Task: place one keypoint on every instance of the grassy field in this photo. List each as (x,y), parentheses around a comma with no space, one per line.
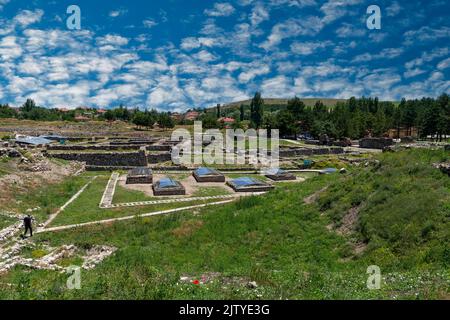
(293,249)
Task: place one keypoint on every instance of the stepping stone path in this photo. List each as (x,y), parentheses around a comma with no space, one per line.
(108,195)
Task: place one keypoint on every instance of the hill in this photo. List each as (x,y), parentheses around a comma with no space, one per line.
(313,240)
(283,102)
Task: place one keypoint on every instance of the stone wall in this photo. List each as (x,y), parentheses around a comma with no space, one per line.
(126,159)
(158,147)
(159,157)
(94,148)
(375,143)
(294,152)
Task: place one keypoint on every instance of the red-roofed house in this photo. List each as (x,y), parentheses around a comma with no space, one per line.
(191,115)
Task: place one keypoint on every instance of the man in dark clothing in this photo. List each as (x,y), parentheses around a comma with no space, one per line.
(27,222)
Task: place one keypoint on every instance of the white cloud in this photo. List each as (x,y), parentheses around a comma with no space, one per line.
(117,13)
(349,30)
(387,53)
(27,17)
(9,49)
(413,72)
(149,23)
(112,40)
(254,70)
(259,14)
(2,3)
(307,48)
(278,87)
(336,9)
(426,33)
(291,28)
(393,9)
(444,64)
(222,9)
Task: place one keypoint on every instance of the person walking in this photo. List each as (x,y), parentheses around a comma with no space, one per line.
(28,224)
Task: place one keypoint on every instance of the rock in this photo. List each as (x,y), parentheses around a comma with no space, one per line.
(343,170)
(252,285)
(444,167)
(13,153)
(407,140)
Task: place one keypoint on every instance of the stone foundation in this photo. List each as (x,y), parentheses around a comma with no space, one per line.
(375,143)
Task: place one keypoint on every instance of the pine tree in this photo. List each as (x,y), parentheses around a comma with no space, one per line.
(257,107)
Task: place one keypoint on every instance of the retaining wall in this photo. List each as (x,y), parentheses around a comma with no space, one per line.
(126,159)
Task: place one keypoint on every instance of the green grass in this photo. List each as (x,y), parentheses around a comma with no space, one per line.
(6,221)
(48,198)
(278,241)
(86,207)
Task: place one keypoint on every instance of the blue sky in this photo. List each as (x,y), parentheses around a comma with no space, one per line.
(180,54)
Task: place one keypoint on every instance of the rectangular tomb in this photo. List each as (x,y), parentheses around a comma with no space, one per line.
(168,187)
(247,184)
(279,175)
(208,175)
(140,175)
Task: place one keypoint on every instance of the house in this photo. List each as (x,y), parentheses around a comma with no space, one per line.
(227,121)
(176,116)
(191,115)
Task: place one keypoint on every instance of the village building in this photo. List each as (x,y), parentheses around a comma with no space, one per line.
(191,115)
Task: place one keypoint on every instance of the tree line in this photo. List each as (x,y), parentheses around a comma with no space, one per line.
(142,119)
(353,119)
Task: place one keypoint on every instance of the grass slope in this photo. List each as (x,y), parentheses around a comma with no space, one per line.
(278,241)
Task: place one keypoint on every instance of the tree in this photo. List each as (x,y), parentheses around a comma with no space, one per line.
(257,107)
(165,120)
(209,121)
(379,125)
(323,127)
(286,123)
(320,111)
(28,105)
(296,107)
(443,116)
(242,113)
(6,111)
(139,119)
(218,111)
(110,115)
(397,121)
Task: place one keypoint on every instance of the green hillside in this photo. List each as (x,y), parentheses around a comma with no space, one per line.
(277,102)
(301,241)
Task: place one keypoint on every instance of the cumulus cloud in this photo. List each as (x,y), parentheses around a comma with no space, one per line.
(291,28)
(117,13)
(3,3)
(307,48)
(220,63)
(426,33)
(222,9)
(149,23)
(393,9)
(27,17)
(259,14)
